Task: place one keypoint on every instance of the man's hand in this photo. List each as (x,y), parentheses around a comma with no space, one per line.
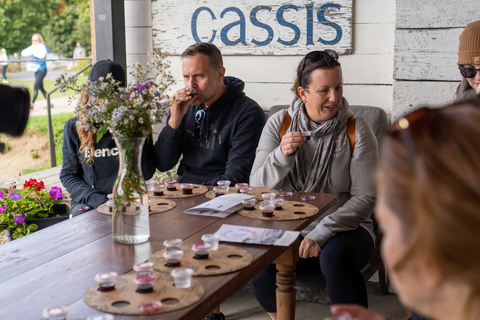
(179,104)
(308,249)
(291,142)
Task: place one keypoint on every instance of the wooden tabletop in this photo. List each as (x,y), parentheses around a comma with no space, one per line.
(55,266)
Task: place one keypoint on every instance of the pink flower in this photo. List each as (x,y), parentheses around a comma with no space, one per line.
(19,219)
(3,208)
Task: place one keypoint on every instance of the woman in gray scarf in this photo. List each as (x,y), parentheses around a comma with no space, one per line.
(340,242)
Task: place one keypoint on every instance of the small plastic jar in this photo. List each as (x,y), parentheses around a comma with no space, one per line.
(182,277)
(171,184)
(212,240)
(187,188)
(150,185)
(110,205)
(158,189)
(220,191)
(173,257)
(247,190)
(101,317)
(150,307)
(193,91)
(307,134)
(285,194)
(267,210)
(267,196)
(201,250)
(278,203)
(173,244)
(225,183)
(144,267)
(55,313)
(241,185)
(307,198)
(106,281)
(144,282)
(249,204)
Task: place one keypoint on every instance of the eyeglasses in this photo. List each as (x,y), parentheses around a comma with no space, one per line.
(198,129)
(468,72)
(319,55)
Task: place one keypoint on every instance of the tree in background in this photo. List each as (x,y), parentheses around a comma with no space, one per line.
(62,23)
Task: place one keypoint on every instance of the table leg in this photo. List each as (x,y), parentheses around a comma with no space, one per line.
(286,292)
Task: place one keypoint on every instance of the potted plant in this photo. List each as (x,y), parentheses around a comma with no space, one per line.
(31,208)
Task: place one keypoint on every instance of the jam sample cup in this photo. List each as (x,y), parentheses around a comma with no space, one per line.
(212,240)
(285,194)
(267,196)
(187,188)
(158,189)
(225,183)
(150,185)
(307,198)
(172,244)
(144,282)
(100,317)
(193,91)
(249,204)
(55,313)
(110,205)
(278,203)
(182,277)
(173,257)
(106,281)
(171,184)
(247,190)
(150,307)
(307,134)
(267,210)
(201,250)
(241,185)
(144,267)
(220,190)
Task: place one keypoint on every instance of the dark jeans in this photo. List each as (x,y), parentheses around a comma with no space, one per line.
(39,75)
(4,71)
(341,261)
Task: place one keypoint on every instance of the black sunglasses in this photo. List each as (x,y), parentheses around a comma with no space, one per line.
(198,129)
(317,56)
(468,72)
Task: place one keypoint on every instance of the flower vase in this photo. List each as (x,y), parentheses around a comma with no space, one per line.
(130,216)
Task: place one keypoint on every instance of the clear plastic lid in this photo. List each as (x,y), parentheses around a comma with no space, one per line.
(105,277)
(176,243)
(146,266)
(57,312)
(150,307)
(201,247)
(182,272)
(307,198)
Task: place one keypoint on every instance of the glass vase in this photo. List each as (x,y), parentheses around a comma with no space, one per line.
(130,217)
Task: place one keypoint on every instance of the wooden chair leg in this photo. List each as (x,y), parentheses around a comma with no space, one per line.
(285,277)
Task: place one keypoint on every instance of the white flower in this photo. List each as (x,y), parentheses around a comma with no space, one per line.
(140,120)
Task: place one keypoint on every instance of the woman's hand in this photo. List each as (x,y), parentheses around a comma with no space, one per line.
(179,104)
(353,311)
(308,249)
(291,142)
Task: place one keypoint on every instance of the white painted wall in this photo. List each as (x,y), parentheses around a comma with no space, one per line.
(367,72)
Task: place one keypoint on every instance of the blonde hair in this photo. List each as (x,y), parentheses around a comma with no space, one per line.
(434,190)
(39,36)
(87,138)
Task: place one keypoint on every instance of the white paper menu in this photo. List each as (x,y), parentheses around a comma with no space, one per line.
(221,206)
(242,234)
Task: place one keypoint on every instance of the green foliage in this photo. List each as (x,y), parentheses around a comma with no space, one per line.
(34,155)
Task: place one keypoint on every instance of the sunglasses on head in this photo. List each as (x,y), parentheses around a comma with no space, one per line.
(317,56)
(468,72)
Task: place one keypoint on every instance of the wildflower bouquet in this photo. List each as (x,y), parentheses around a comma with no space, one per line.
(31,202)
(128,112)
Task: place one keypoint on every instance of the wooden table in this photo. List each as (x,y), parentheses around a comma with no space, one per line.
(55,266)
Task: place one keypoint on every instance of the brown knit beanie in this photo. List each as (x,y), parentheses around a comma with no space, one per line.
(469,47)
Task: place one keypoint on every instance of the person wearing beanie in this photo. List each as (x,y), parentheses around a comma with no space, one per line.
(469,60)
(90,168)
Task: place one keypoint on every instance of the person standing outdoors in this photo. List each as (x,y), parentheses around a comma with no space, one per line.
(37,51)
(469,59)
(4,64)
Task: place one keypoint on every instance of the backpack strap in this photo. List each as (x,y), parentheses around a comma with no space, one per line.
(350,128)
(285,125)
(351,131)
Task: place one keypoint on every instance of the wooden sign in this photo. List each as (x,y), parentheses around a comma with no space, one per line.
(248,27)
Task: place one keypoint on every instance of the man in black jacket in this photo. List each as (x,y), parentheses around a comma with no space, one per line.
(211,122)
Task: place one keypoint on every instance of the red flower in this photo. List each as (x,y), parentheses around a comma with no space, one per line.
(34,184)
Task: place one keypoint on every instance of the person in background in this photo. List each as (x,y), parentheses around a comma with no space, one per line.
(4,64)
(340,242)
(37,51)
(78,52)
(429,210)
(469,60)
(90,168)
(212,123)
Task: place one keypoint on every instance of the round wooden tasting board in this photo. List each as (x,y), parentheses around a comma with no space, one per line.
(257,193)
(225,259)
(157,205)
(292,210)
(124,299)
(177,193)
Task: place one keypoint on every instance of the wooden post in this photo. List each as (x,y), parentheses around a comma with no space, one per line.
(286,292)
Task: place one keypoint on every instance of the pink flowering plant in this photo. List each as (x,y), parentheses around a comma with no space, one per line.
(129,112)
(31,202)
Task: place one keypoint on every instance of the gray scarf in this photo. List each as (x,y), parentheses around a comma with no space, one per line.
(315,176)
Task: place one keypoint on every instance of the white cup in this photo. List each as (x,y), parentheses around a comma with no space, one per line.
(182,277)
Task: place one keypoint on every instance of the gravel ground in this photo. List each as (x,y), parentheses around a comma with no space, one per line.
(3,237)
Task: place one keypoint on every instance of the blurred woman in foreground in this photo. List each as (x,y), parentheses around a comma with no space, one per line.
(429,210)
